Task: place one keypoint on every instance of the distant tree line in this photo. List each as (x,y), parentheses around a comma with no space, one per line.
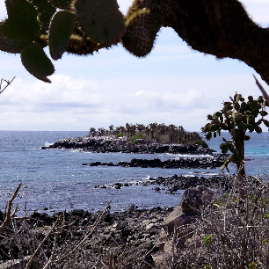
(153,132)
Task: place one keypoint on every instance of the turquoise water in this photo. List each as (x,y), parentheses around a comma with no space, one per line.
(55,179)
(256,149)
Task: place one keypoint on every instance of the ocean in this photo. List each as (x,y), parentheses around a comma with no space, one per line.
(55,180)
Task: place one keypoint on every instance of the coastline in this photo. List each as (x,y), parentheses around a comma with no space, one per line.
(106,144)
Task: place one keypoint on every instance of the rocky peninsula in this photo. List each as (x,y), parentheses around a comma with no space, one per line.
(123,145)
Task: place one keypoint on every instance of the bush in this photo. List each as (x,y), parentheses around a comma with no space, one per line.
(135,138)
(119,135)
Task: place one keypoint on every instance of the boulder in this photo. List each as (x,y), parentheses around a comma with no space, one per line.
(181,218)
(193,200)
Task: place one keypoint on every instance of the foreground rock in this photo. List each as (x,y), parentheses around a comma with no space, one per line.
(111,144)
(189,163)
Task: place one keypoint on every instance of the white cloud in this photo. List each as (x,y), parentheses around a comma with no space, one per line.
(78,104)
(139,93)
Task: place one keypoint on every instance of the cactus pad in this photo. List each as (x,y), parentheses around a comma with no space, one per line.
(100,19)
(36,62)
(142,27)
(22,24)
(61,28)
(11,46)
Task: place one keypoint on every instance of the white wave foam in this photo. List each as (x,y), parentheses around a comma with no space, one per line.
(47,144)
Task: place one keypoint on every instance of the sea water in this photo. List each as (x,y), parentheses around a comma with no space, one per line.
(56,180)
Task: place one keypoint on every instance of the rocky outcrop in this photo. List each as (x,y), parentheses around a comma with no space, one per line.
(110,144)
(180,221)
(187,163)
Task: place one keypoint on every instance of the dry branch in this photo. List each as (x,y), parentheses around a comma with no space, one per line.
(7,84)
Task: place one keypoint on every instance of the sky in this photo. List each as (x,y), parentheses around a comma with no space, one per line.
(173,85)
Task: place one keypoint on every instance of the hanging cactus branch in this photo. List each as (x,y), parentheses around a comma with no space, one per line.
(220,28)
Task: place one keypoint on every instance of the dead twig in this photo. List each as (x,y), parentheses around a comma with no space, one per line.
(8,215)
(41,245)
(264,93)
(7,84)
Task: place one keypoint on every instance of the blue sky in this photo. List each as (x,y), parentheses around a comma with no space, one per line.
(172,85)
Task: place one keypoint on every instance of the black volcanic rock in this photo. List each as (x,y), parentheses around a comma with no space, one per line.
(111,144)
(197,163)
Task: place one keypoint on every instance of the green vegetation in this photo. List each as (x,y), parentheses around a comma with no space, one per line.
(135,139)
(237,116)
(153,132)
(119,135)
(85,26)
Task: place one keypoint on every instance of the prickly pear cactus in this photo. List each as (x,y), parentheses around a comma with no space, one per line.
(237,116)
(101,20)
(61,28)
(142,27)
(36,62)
(22,24)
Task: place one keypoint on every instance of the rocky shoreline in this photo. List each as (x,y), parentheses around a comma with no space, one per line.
(112,144)
(175,183)
(186,163)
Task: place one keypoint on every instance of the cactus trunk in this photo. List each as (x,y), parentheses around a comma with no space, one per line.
(241,173)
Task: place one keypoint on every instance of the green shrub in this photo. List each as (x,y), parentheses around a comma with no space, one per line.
(134,138)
